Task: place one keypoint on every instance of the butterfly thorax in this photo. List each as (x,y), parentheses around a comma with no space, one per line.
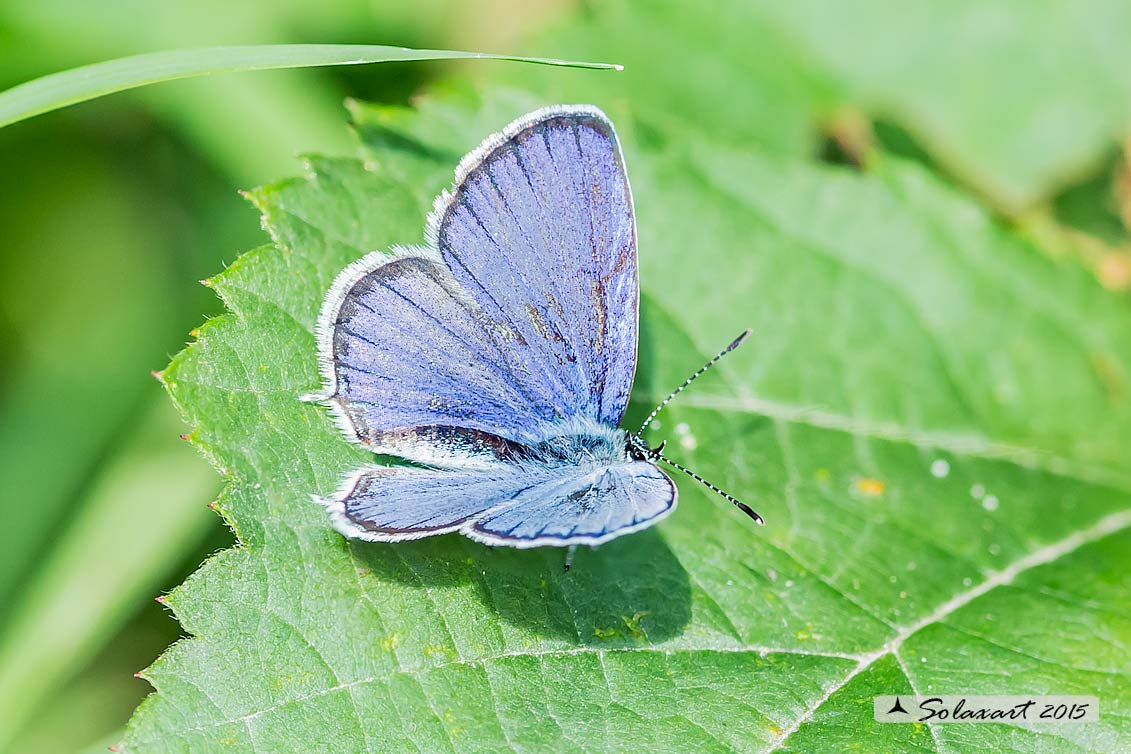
(580,442)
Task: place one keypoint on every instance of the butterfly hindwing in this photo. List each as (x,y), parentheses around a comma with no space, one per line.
(582,508)
(507,504)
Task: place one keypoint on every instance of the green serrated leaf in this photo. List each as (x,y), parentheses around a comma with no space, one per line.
(930,416)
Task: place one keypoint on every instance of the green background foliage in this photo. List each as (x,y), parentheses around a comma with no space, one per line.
(922,214)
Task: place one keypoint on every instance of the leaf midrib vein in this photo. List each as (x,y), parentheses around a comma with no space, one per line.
(959,444)
(956,443)
(1110,524)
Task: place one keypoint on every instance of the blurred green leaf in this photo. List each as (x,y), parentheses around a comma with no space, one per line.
(109,222)
(145,508)
(727,74)
(80,349)
(216,115)
(80,84)
(932,418)
(1094,206)
(1017,98)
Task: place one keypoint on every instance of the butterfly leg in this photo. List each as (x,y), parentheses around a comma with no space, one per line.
(569,557)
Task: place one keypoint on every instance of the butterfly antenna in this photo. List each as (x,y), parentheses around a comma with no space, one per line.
(737,503)
(715,360)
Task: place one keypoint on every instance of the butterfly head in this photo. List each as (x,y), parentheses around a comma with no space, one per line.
(639,450)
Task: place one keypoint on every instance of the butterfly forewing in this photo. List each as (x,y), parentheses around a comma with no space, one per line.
(520,316)
(581,508)
(409,349)
(540,232)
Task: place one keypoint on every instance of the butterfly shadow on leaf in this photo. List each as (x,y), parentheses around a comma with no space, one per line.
(629,592)
(632,591)
(499,359)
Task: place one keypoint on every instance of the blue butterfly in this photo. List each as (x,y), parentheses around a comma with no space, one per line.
(499,357)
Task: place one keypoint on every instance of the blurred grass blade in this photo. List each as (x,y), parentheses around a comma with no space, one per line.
(80,84)
(144,511)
